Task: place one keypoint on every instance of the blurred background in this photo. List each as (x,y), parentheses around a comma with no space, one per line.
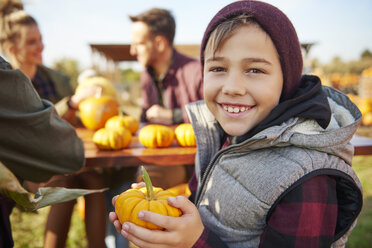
(78,34)
(336,38)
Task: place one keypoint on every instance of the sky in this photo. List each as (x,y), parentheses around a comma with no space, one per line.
(340,28)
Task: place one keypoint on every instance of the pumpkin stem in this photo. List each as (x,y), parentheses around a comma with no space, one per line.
(120,112)
(150,191)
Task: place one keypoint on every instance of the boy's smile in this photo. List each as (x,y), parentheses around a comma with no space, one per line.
(243,80)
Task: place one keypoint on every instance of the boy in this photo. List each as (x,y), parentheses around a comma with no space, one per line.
(273,165)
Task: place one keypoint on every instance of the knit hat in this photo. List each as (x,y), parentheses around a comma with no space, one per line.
(281,31)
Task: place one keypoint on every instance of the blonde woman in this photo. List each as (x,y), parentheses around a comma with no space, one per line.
(21,44)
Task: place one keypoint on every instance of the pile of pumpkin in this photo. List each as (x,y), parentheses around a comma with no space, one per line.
(114,131)
(364,100)
(365,106)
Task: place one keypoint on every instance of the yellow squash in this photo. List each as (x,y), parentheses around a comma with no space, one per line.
(112,139)
(149,198)
(108,88)
(185,135)
(95,111)
(129,122)
(154,135)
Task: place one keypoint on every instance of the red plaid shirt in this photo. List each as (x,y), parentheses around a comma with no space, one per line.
(305,217)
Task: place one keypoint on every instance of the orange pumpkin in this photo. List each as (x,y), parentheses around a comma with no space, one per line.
(180,189)
(367,119)
(95,111)
(155,135)
(108,88)
(129,122)
(365,105)
(113,139)
(130,202)
(185,135)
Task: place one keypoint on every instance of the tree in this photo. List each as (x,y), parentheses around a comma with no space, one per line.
(366,54)
(129,76)
(70,67)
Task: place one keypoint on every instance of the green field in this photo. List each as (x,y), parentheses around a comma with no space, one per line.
(28,228)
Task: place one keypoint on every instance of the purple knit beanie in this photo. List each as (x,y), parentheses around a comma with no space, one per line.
(278,27)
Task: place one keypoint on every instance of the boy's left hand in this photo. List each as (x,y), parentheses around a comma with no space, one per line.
(181,231)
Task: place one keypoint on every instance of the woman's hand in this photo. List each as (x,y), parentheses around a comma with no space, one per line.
(78,97)
(181,231)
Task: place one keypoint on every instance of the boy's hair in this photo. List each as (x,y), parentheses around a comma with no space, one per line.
(160,22)
(279,28)
(225,30)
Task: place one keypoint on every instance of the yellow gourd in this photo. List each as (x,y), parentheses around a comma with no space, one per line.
(95,111)
(367,119)
(126,121)
(180,189)
(108,88)
(155,135)
(130,202)
(112,139)
(185,135)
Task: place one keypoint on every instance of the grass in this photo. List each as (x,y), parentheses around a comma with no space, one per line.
(362,234)
(28,228)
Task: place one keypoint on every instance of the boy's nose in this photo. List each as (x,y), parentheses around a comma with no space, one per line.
(234,85)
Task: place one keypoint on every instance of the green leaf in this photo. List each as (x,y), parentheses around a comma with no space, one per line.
(11,188)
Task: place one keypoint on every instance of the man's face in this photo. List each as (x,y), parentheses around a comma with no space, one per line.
(142,44)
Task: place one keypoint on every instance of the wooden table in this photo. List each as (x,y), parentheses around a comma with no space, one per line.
(362,145)
(136,154)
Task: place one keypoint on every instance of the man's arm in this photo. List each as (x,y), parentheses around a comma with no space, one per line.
(35,143)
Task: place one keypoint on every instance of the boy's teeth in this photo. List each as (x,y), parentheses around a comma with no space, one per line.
(234,109)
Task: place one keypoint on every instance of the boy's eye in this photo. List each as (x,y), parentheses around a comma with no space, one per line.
(254,71)
(217,69)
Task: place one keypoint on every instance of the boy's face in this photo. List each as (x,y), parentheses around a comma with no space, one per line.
(243,81)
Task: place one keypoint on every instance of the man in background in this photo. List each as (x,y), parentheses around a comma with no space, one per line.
(170,80)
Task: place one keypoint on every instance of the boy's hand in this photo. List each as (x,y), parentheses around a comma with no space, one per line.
(181,231)
(112,215)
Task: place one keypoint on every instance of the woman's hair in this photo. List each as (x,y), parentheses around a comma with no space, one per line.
(225,29)
(12,16)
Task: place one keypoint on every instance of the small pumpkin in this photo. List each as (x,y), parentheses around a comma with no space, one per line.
(365,105)
(127,121)
(155,135)
(130,202)
(108,88)
(367,119)
(112,139)
(95,111)
(185,135)
(181,189)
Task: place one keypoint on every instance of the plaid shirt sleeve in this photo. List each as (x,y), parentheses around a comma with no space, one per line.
(207,239)
(305,217)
